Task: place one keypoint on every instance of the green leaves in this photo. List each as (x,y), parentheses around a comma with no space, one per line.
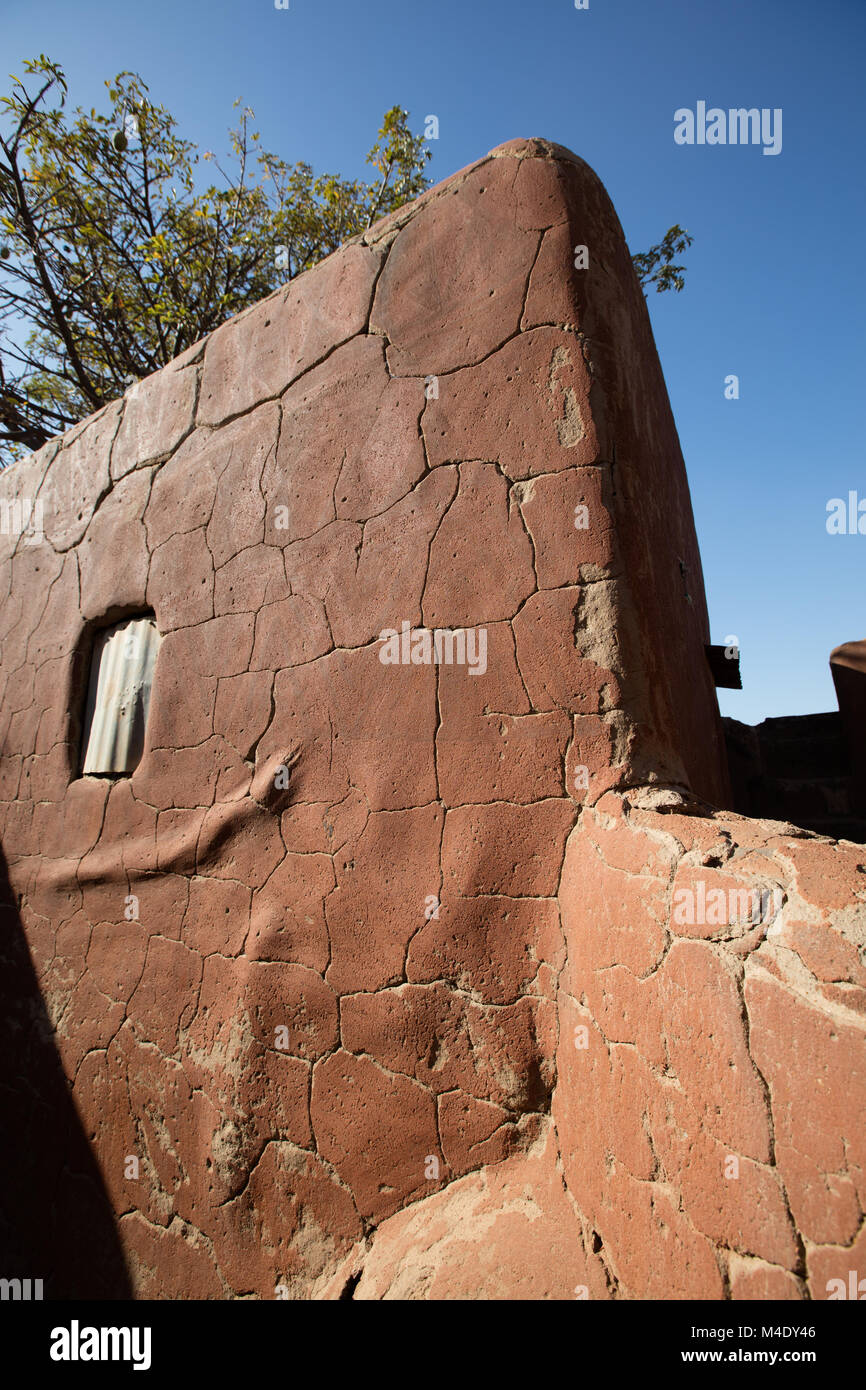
(655,266)
(400,158)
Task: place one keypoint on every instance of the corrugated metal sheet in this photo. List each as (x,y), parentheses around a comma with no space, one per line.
(121,676)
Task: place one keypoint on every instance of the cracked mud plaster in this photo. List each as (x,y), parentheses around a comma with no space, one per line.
(374,969)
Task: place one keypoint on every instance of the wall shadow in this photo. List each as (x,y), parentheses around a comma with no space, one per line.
(56,1220)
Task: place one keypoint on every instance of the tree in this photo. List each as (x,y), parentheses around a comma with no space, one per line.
(114,259)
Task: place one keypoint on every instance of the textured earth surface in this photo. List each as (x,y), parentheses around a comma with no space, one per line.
(370,981)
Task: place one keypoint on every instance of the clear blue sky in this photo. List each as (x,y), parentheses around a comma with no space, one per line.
(774,286)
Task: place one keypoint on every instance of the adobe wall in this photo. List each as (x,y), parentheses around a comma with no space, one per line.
(419,1023)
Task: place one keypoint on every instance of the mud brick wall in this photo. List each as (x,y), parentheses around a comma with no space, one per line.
(369,980)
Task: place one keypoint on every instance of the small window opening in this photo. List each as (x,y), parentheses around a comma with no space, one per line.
(118,696)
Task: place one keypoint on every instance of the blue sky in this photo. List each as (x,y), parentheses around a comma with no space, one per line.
(773,291)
